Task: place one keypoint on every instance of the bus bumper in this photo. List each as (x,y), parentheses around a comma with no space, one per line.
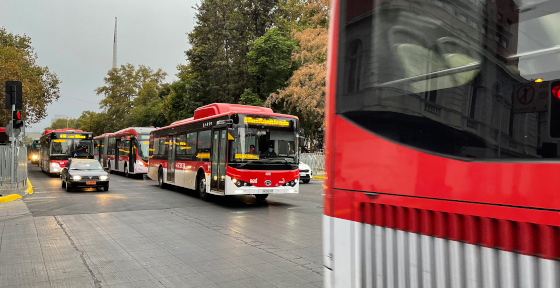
(232,189)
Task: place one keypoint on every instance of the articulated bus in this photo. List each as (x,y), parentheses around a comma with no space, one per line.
(57,146)
(228,149)
(126,150)
(99,151)
(442,132)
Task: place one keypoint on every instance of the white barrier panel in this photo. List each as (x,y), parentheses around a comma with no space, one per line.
(20,169)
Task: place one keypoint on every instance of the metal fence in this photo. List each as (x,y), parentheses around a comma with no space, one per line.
(20,169)
(316,162)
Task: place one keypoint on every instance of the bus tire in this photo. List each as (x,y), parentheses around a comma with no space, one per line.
(201,187)
(161,184)
(126,173)
(261,197)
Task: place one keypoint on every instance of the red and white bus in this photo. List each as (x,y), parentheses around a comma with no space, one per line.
(57,146)
(443,124)
(124,151)
(228,149)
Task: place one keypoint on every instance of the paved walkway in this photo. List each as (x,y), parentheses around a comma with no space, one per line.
(179,247)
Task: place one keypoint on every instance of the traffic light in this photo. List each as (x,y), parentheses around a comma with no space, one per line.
(16,115)
(18,123)
(554,115)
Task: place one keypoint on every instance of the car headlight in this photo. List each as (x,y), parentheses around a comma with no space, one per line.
(103,178)
(76,178)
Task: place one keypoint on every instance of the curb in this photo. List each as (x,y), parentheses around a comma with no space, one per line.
(319,177)
(13,197)
(9,198)
(29,189)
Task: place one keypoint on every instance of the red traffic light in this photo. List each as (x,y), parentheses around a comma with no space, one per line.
(17,115)
(556,91)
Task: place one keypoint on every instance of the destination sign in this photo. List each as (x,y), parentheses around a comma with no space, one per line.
(267,122)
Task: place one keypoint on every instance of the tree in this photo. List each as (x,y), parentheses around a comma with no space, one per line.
(250,98)
(126,88)
(40,85)
(305,94)
(63,123)
(270,62)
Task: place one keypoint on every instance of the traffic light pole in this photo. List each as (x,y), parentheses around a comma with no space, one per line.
(13,138)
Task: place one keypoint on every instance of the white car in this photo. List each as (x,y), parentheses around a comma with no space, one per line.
(305,173)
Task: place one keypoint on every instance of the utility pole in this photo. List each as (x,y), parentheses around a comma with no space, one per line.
(115,46)
(13,97)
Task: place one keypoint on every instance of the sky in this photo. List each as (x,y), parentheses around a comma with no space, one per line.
(75,40)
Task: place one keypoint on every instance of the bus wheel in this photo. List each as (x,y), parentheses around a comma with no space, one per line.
(160,178)
(126,174)
(202,188)
(261,197)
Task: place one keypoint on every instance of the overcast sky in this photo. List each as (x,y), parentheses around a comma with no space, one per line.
(75,40)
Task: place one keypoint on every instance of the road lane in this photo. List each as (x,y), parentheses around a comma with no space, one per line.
(138,235)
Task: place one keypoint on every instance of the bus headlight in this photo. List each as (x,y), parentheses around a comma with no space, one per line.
(291,183)
(55,165)
(76,178)
(34,157)
(103,177)
(240,183)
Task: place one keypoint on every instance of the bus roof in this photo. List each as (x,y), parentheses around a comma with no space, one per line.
(221,109)
(67,130)
(127,131)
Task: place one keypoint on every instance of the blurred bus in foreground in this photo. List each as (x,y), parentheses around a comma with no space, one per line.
(443,120)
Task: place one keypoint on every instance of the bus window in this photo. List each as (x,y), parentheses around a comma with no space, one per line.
(181,145)
(191,143)
(203,147)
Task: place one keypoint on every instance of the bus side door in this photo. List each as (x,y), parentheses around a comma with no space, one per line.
(171,159)
(218,172)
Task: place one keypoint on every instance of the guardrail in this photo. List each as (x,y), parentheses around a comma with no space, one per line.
(316,162)
(20,168)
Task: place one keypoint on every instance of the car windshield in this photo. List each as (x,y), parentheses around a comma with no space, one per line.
(143,146)
(85,165)
(270,139)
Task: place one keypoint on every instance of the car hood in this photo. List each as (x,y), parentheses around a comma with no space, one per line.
(303,166)
(87,172)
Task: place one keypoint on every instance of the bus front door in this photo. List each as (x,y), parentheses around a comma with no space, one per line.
(171,159)
(218,172)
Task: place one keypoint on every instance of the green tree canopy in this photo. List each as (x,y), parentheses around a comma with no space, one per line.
(40,85)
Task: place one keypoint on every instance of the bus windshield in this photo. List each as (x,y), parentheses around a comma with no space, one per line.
(267,140)
(72,147)
(143,146)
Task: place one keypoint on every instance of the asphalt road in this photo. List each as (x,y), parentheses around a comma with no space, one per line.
(131,194)
(138,235)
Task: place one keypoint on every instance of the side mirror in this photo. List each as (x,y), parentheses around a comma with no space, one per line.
(235,118)
(301,141)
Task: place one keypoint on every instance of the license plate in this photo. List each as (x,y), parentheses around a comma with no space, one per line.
(90,182)
(267,191)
